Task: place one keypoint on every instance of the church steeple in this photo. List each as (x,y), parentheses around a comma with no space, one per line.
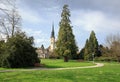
(52,33)
(52,40)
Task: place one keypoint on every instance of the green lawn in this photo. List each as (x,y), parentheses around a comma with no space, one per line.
(59,63)
(109,73)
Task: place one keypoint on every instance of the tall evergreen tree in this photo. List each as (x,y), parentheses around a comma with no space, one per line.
(66,45)
(91,47)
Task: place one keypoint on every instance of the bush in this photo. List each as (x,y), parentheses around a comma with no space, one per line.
(19,52)
(53,55)
(107,59)
(118,57)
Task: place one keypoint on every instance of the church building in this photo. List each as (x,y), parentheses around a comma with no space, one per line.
(44,53)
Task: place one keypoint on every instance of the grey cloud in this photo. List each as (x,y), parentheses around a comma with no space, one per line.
(108,6)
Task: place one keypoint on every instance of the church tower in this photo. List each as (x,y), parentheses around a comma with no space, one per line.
(52,40)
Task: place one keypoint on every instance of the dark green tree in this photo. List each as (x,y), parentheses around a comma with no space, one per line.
(19,52)
(86,50)
(81,54)
(66,45)
(1,46)
(91,47)
(2,43)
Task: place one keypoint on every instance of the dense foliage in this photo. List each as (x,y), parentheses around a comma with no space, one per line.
(66,45)
(91,48)
(18,52)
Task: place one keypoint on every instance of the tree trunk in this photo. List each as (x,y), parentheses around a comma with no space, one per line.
(118,58)
(65,59)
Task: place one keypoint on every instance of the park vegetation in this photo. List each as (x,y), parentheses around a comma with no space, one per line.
(16,48)
(108,73)
(18,51)
(111,52)
(92,49)
(66,45)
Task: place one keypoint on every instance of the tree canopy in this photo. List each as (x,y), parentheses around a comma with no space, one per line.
(66,45)
(91,47)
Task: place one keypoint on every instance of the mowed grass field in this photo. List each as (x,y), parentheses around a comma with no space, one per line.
(59,63)
(109,73)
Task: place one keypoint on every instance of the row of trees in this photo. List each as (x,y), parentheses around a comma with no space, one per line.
(110,52)
(18,50)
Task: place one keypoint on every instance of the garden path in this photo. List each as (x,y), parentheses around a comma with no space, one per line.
(33,69)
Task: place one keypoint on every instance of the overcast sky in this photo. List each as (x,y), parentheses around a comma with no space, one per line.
(102,16)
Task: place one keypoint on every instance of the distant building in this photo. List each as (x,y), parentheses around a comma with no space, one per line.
(44,53)
(3,38)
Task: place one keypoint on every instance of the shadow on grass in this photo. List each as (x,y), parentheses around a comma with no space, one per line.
(52,66)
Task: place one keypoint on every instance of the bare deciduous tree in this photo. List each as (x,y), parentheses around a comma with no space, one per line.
(10,20)
(114,44)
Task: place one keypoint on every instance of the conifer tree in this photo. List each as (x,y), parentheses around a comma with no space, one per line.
(66,45)
(86,50)
(91,47)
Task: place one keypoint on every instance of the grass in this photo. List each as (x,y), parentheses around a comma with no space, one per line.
(109,73)
(59,63)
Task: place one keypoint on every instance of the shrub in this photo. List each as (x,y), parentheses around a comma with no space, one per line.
(19,52)
(107,59)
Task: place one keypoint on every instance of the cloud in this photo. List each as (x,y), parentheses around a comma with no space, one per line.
(39,37)
(2,6)
(30,16)
(83,21)
(95,20)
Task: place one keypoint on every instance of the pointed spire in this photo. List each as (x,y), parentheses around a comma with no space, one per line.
(42,46)
(52,33)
